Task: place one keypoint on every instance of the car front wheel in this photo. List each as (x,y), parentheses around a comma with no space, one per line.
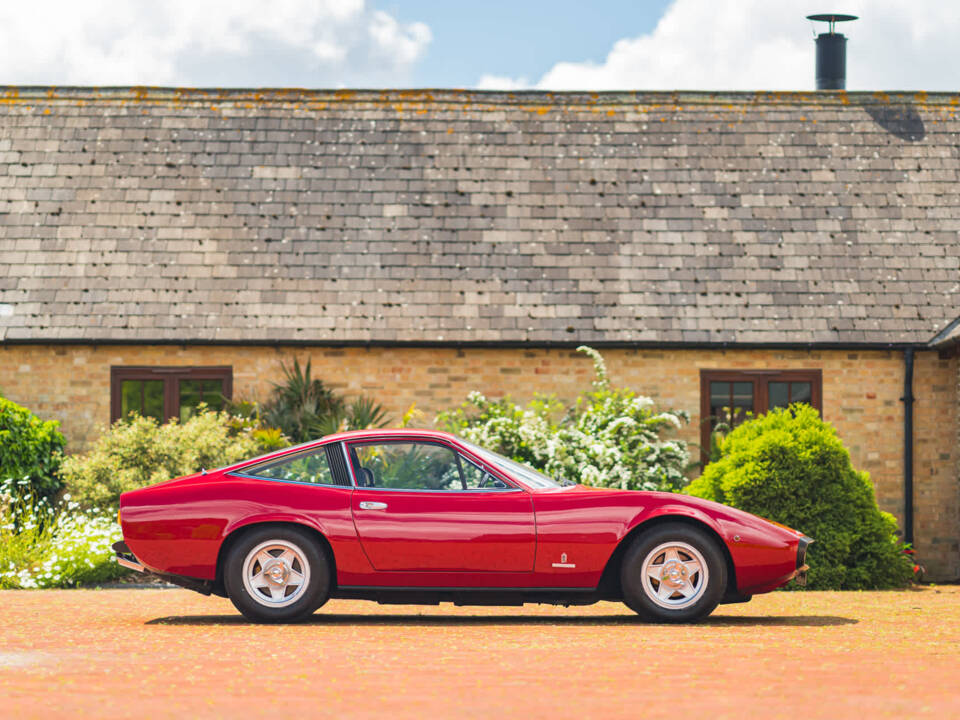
(673,573)
(277,574)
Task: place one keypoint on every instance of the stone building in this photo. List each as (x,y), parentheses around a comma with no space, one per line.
(744,249)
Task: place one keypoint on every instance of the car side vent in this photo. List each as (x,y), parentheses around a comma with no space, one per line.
(338,466)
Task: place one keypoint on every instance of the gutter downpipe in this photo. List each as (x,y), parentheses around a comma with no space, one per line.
(908,445)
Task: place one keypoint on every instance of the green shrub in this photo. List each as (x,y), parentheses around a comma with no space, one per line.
(138,452)
(611,437)
(30,448)
(790,466)
(45,546)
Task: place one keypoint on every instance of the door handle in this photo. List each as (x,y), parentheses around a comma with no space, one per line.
(368,505)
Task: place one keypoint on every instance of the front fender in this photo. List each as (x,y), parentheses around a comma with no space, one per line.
(763,556)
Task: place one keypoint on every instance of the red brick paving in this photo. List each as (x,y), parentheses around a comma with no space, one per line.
(171,653)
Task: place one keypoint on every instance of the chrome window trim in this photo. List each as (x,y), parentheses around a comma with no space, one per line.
(236,473)
(468,491)
(346,458)
(482,469)
(290,457)
(395,440)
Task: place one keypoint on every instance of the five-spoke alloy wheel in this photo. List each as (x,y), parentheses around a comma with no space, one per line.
(673,573)
(277,574)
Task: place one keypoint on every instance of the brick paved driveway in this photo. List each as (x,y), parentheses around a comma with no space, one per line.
(171,653)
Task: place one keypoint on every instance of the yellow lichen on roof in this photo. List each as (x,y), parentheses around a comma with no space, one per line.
(425,101)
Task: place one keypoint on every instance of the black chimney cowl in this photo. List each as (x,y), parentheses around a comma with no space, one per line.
(831,53)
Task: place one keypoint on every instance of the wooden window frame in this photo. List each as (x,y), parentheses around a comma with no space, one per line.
(761,396)
(171,376)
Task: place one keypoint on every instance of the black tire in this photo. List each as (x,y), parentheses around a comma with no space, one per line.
(673,551)
(289,554)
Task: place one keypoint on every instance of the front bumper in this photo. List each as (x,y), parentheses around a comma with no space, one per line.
(801,577)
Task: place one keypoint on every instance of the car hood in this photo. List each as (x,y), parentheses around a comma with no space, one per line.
(666,500)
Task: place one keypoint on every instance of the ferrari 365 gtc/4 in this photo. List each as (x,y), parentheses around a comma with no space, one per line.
(414,516)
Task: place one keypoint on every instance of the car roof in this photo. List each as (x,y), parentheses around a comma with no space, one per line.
(371,434)
(391,432)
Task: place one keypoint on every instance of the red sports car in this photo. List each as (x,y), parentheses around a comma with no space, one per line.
(414,516)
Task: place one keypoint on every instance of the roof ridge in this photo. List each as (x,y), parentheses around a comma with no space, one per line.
(271,95)
(946,335)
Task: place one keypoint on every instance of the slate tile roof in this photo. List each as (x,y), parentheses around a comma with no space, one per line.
(456,217)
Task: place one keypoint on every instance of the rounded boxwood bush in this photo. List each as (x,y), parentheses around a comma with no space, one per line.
(790,466)
(31,450)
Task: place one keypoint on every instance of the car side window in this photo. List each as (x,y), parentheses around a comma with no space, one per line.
(406,466)
(476,478)
(311,467)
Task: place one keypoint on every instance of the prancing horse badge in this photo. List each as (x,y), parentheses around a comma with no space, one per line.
(563,562)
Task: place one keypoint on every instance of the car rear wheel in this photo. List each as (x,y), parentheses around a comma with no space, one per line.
(673,573)
(277,574)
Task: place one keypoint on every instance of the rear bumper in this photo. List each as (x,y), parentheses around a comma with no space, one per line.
(126,558)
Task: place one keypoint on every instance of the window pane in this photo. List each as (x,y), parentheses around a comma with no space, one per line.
(131,397)
(801,392)
(782,394)
(730,402)
(720,402)
(477,478)
(743,395)
(742,401)
(412,466)
(142,396)
(213,393)
(190,395)
(194,392)
(309,467)
(153,399)
(720,393)
(779,394)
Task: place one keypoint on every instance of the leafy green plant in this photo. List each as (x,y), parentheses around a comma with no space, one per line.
(790,466)
(246,415)
(44,545)
(304,408)
(364,413)
(610,437)
(30,448)
(138,452)
(298,403)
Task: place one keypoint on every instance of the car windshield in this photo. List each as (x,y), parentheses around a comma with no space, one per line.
(533,478)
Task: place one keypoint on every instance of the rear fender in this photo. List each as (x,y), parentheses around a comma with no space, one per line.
(232,532)
(275,517)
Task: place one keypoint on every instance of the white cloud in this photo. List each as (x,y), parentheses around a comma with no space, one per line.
(502,82)
(312,43)
(403,43)
(764,45)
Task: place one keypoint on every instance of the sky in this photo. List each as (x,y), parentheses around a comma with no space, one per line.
(495,44)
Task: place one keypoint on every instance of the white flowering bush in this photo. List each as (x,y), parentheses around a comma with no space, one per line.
(51,546)
(611,437)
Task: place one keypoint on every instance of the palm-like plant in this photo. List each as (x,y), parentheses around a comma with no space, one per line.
(297,404)
(304,408)
(362,414)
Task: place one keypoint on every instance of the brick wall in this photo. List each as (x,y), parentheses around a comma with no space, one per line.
(861,397)
(936,453)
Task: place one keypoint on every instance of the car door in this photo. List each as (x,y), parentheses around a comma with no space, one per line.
(421,506)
